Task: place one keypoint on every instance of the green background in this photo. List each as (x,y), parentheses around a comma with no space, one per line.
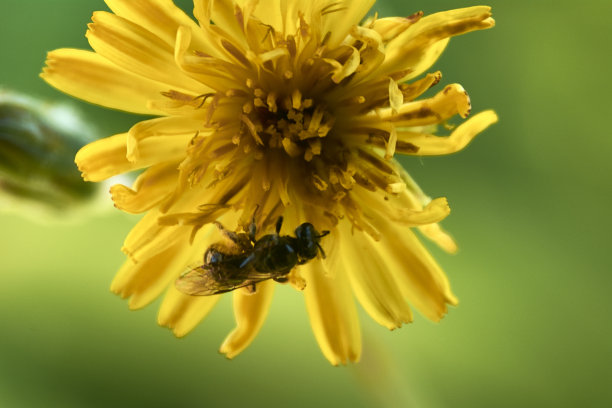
(530,200)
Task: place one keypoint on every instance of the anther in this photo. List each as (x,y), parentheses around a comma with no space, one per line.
(271,100)
(292,148)
(259,103)
(247,107)
(296,99)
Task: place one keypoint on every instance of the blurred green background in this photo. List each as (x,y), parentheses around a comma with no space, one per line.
(530,200)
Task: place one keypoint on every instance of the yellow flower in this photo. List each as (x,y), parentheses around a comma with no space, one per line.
(285,107)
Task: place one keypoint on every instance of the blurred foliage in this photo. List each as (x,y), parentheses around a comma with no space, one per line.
(38,143)
(530,212)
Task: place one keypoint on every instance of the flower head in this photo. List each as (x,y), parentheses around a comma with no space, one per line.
(276,108)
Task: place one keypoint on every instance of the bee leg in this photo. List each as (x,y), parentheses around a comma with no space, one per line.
(279,224)
(229,234)
(281,279)
(321,250)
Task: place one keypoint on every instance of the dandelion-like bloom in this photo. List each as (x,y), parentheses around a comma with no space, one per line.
(276,107)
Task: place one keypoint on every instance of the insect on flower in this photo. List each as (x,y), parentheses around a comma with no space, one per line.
(300,108)
(251,260)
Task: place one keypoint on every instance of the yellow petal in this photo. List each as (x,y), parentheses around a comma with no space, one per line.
(340,16)
(419,277)
(202,10)
(157,255)
(207,70)
(138,50)
(402,209)
(396,98)
(149,238)
(223,14)
(180,127)
(391,27)
(161,17)
(418,47)
(182,313)
(422,61)
(415,89)
(414,197)
(332,313)
(144,281)
(250,311)
(371,281)
(445,104)
(435,233)
(150,188)
(273,13)
(431,145)
(91,77)
(106,157)
(435,211)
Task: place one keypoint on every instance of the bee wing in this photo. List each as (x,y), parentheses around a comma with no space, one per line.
(199,281)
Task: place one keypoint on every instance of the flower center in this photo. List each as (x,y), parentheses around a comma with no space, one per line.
(292,122)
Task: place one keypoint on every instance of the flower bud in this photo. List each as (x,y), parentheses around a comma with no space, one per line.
(38,142)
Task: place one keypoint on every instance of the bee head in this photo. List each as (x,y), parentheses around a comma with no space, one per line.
(308,241)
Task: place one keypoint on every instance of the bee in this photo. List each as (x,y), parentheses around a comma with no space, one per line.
(250,260)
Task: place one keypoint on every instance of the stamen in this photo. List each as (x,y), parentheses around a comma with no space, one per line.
(252,129)
(292,148)
(365,182)
(315,121)
(211,109)
(291,46)
(314,148)
(391,143)
(247,107)
(354,100)
(271,100)
(319,183)
(265,183)
(296,99)
(395,188)
(326,127)
(273,54)
(235,92)
(259,103)
(235,52)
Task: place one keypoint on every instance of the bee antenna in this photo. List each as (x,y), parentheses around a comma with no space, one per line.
(253,226)
(324,233)
(321,249)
